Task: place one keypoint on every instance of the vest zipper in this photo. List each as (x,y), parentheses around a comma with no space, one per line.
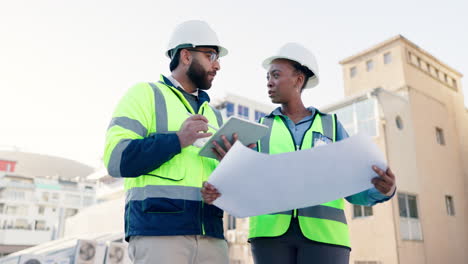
(202,222)
(190,110)
(297,147)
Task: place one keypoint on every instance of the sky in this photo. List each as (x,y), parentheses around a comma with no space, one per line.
(64,65)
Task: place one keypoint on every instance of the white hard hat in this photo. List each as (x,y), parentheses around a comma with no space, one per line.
(194,33)
(299,54)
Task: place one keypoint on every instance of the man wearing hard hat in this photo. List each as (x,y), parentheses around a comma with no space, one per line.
(316,234)
(149,144)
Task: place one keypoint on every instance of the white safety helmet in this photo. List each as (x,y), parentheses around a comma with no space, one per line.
(297,53)
(193,33)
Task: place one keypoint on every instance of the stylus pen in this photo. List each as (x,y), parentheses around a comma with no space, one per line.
(212,127)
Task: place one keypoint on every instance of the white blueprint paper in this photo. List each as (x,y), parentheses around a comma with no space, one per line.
(253,183)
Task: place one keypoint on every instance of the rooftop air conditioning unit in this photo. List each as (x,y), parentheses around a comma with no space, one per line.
(89,252)
(117,253)
(31,259)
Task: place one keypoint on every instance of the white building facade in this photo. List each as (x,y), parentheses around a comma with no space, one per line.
(33,208)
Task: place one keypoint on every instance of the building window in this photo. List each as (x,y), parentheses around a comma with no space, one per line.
(387,58)
(366,117)
(419,62)
(361,211)
(410,227)
(359,117)
(55,197)
(231,222)
(10,210)
(352,72)
(454,83)
(436,73)
(45,196)
(259,115)
(1,208)
(15,195)
(229,109)
(369,65)
(40,225)
(449,205)
(21,224)
(243,111)
(440,136)
(399,122)
(41,210)
(428,67)
(346,117)
(445,78)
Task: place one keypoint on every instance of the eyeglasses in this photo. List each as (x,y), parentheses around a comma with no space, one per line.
(213,55)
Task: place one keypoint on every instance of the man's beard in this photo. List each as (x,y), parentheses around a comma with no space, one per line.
(198,75)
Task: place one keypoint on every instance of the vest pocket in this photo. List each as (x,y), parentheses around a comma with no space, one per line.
(163,205)
(215,211)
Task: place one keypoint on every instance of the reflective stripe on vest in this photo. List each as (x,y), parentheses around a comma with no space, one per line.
(171,192)
(324,223)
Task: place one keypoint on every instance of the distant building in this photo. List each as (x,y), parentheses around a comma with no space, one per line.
(37,194)
(234,105)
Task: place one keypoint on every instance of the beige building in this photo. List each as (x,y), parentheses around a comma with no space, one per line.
(426,143)
(412,105)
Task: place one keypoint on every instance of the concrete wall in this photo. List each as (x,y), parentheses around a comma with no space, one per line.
(105,217)
(388,76)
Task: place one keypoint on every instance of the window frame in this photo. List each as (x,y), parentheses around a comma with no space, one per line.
(387,58)
(353,72)
(231,222)
(440,136)
(450,205)
(410,219)
(370,65)
(243,111)
(259,114)
(362,209)
(230,113)
(356,121)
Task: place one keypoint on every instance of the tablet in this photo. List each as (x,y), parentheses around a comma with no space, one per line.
(248,132)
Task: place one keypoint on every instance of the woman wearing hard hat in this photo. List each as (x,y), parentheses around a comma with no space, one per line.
(316,234)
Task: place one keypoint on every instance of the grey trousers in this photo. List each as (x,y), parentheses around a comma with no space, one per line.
(178,250)
(294,248)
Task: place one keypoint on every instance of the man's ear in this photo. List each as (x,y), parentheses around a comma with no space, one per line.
(185,57)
